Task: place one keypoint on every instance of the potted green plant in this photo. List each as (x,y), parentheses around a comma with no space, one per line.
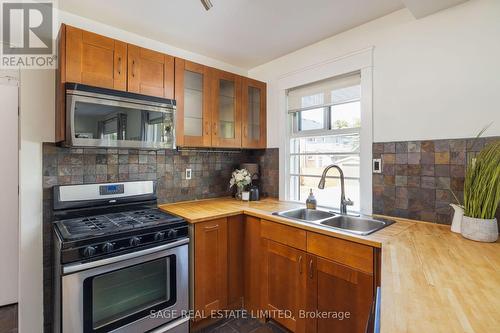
(482,195)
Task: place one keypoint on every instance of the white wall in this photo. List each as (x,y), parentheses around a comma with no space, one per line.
(9,226)
(37,95)
(37,126)
(437,77)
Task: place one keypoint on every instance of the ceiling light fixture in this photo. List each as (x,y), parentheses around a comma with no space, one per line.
(207,4)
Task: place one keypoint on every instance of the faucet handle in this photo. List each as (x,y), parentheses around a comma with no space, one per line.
(349,202)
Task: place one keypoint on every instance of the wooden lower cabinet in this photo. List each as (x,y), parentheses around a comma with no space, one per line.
(284,279)
(235,255)
(252,264)
(244,262)
(337,289)
(210,266)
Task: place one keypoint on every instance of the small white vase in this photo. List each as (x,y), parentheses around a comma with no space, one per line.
(481,230)
(457,218)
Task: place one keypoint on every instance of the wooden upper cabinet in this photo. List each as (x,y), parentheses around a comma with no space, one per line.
(226,109)
(333,287)
(95,60)
(214,108)
(210,266)
(193,97)
(150,72)
(284,279)
(253,114)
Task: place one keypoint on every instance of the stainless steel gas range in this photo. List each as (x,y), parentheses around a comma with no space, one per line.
(121,265)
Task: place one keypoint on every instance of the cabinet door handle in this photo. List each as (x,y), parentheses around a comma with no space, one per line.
(207,128)
(133,68)
(310,269)
(300,264)
(245,129)
(212,227)
(215,128)
(119,65)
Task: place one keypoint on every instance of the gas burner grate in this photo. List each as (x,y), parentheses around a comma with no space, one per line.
(114,222)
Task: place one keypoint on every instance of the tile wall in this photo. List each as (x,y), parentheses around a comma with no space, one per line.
(418,177)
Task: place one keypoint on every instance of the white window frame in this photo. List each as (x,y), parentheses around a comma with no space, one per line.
(360,61)
(295,133)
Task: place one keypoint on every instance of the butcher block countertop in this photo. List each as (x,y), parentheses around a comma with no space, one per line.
(433,280)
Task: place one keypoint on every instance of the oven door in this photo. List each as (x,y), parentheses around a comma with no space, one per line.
(97,121)
(123,293)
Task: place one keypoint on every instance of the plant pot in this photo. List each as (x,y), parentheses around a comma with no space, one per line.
(481,230)
(457,218)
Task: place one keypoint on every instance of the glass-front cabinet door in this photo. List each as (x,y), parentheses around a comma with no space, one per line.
(192,94)
(254,114)
(226,115)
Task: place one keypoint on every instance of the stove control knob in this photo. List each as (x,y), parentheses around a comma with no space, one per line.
(108,247)
(172,233)
(159,236)
(89,251)
(134,241)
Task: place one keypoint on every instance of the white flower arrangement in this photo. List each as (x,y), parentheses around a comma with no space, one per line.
(240,178)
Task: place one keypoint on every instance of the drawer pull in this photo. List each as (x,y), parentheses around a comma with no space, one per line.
(212,227)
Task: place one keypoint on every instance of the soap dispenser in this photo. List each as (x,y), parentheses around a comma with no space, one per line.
(311,202)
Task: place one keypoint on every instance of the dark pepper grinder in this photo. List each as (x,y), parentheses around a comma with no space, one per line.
(254,193)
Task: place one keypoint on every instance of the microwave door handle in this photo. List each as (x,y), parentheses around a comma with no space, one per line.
(70,117)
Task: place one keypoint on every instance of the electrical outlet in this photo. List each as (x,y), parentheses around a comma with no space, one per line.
(377,165)
(189,173)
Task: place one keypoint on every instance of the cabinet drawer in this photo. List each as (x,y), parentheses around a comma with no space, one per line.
(354,255)
(284,234)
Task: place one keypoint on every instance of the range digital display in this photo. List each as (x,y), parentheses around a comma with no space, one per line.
(111,189)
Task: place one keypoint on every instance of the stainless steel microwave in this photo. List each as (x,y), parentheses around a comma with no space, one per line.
(98,117)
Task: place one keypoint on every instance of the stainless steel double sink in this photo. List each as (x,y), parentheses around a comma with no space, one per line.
(353,224)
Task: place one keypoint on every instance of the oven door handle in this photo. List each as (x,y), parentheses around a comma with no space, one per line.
(76,267)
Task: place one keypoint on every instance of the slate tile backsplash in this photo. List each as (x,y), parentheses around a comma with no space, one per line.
(210,171)
(210,178)
(417,177)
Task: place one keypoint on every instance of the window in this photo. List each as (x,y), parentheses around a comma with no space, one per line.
(325,120)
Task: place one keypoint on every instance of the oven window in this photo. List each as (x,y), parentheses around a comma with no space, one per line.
(122,296)
(117,123)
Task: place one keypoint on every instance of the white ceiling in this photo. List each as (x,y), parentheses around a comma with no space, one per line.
(244,33)
(422,8)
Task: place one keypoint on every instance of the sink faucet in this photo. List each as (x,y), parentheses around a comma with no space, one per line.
(343,202)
